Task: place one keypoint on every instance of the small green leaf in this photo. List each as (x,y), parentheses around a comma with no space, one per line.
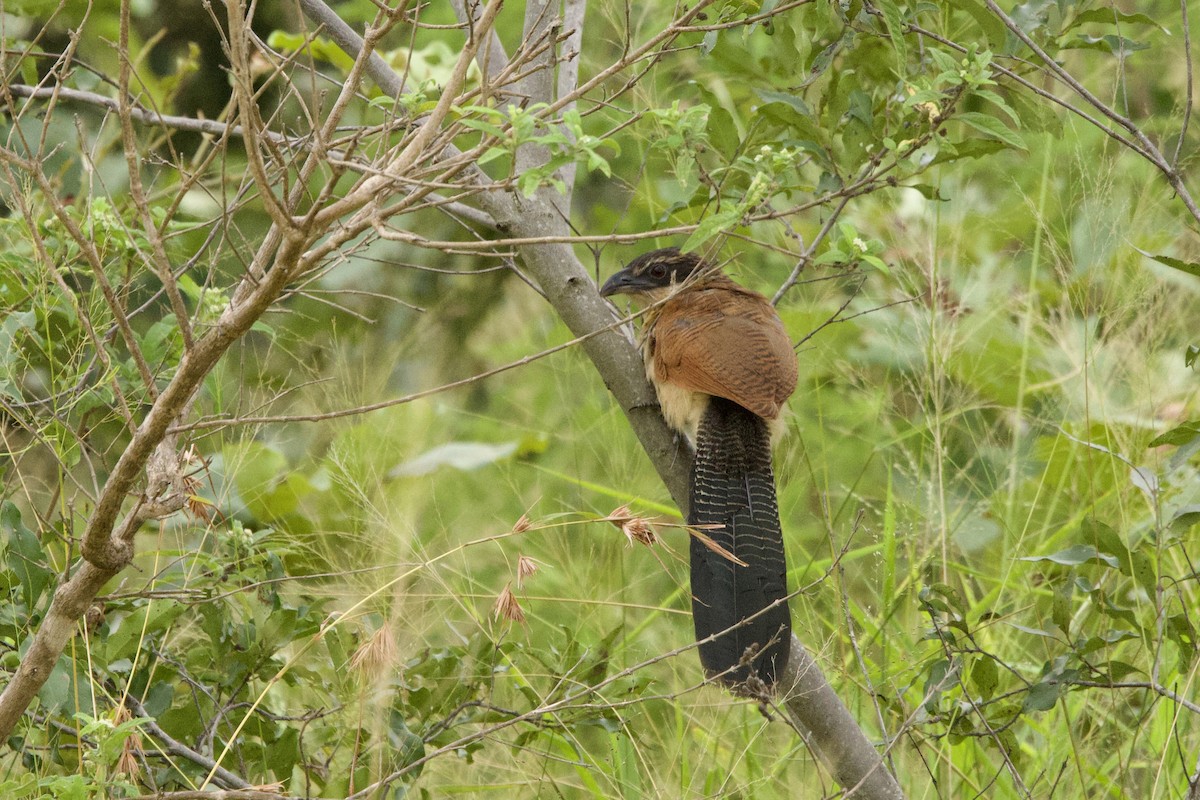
(1186,516)
(895,29)
(998,102)
(1076,555)
(970,148)
(464,456)
(1061,607)
(1107,541)
(710,226)
(929,192)
(55,693)
(985,676)
(791,100)
(1119,670)
(1144,480)
(993,28)
(823,61)
(1182,434)
(1095,643)
(877,263)
(1032,631)
(1111,16)
(1117,45)
(482,125)
(992,127)
(1190,267)
(491,154)
(831,256)
(1041,697)
(1143,572)
(936,683)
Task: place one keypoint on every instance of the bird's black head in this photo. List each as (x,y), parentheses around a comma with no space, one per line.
(658,269)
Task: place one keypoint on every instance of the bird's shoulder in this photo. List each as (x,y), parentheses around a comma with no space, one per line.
(724,340)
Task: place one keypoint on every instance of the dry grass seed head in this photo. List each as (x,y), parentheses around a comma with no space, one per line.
(526,567)
(507,607)
(635,528)
(378,654)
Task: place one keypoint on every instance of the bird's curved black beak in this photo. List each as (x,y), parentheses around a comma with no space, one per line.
(623,282)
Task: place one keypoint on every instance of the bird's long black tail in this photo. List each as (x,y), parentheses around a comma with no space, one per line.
(733,502)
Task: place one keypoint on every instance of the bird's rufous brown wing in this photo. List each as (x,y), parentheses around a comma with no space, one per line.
(729,343)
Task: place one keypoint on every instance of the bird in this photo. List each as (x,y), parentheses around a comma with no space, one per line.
(723,368)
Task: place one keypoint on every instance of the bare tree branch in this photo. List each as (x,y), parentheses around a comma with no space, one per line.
(491,56)
(344,37)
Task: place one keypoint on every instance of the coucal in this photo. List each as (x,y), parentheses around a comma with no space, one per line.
(723,367)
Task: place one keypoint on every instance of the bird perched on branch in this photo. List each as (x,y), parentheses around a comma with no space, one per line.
(723,367)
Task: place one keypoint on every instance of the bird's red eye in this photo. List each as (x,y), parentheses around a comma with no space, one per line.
(658,272)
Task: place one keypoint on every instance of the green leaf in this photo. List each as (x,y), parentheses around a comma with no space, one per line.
(985,676)
(483,126)
(1095,643)
(1190,267)
(1042,697)
(1076,555)
(722,132)
(936,683)
(1119,670)
(1117,45)
(998,102)
(993,28)
(970,148)
(464,456)
(158,699)
(991,127)
(823,61)
(1144,573)
(895,28)
(1186,516)
(320,48)
(24,555)
(145,620)
(929,192)
(1107,541)
(877,263)
(55,693)
(945,61)
(491,154)
(710,226)
(1112,16)
(1182,434)
(1061,607)
(1032,631)
(1036,116)
(792,113)
(791,100)
(1144,480)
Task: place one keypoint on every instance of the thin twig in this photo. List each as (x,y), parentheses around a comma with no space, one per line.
(176,748)
(1187,100)
(806,256)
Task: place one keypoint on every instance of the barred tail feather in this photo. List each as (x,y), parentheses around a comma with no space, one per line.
(733,502)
